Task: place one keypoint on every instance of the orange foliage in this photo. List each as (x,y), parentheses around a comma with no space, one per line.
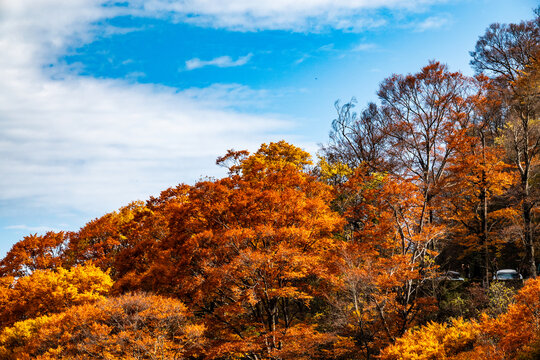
(103,239)
(477,176)
(383,262)
(247,250)
(517,330)
(133,326)
(50,291)
(512,335)
(32,253)
(422,112)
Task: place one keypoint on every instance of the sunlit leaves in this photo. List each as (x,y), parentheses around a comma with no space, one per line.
(246,250)
(133,326)
(434,341)
(50,291)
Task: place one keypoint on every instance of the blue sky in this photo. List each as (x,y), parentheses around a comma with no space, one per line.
(107,102)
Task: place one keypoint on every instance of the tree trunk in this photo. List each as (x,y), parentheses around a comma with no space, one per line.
(530,264)
(484,212)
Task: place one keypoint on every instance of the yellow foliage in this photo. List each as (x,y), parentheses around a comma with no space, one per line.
(512,335)
(434,341)
(133,326)
(333,171)
(50,291)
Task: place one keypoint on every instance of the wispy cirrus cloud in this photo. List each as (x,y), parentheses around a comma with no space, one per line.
(300,15)
(432,23)
(221,61)
(364,47)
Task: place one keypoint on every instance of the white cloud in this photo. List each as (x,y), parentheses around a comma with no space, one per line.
(432,23)
(299,15)
(302,59)
(222,62)
(92,145)
(328,47)
(231,95)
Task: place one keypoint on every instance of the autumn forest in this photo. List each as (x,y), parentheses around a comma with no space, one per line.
(385,245)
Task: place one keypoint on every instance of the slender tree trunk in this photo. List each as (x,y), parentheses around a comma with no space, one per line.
(530,263)
(484,211)
(526,205)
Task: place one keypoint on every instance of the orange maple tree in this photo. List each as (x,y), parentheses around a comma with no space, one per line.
(382,263)
(246,252)
(102,239)
(476,177)
(421,112)
(34,252)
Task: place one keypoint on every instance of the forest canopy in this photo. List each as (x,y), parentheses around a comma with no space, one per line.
(387,246)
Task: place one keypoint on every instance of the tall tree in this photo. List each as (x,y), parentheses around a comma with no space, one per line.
(509,54)
(382,265)
(246,252)
(107,241)
(421,112)
(476,176)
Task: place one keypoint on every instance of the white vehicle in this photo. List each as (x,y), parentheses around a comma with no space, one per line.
(507,274)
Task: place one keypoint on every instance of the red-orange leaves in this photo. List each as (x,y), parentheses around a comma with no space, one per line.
(382,264)
(32,253)
(104,240)
(517,330)
(247,250)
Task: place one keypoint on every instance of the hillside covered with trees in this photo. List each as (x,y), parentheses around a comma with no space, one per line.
(346,256)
